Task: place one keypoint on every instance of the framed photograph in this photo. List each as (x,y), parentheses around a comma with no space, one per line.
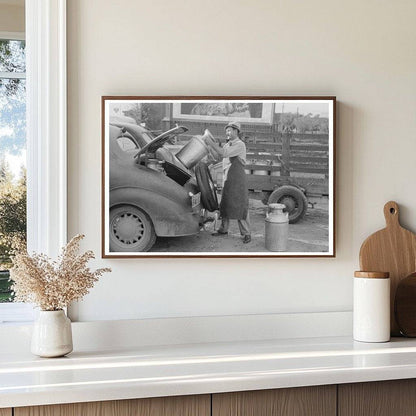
(218,176)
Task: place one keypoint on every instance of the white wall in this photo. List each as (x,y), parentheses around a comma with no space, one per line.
(360,51)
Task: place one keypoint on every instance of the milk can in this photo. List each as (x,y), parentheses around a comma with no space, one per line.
(277,228)
(195,150)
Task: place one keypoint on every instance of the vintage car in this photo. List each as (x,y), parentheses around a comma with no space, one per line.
(151,192)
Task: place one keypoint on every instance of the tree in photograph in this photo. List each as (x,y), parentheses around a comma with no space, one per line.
(134,112)
(301,123)
(150,114)
(287,122)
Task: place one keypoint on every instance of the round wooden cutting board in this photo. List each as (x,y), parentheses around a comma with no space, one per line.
(393,250)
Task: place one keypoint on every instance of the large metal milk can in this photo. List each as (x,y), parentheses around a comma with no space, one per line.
(277,228)
(195,150)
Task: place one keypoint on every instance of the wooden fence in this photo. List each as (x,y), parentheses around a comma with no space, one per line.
(289,159)
(274,158)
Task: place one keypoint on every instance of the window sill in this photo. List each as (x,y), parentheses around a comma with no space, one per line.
(16,313)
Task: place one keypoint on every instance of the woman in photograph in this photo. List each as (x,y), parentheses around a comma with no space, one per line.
(234,200)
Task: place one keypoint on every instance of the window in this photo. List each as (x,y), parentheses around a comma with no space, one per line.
(126,143)
(45,135)
(12,154)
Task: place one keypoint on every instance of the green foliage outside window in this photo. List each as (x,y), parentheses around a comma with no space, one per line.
(12,224)
(12,145)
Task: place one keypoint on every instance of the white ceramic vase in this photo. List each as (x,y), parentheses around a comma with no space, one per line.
(52,334)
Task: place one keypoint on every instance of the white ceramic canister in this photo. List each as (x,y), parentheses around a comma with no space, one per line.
(371,314)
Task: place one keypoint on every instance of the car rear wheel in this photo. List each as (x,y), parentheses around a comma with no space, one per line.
(131,230)
(206,186)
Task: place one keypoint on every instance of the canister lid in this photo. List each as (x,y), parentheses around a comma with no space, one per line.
(372,275)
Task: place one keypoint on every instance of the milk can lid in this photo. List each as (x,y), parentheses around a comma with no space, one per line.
(277,206)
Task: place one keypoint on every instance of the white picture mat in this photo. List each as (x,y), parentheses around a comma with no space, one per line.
(328,103)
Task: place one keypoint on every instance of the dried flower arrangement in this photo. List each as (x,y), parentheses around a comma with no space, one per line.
(53,285)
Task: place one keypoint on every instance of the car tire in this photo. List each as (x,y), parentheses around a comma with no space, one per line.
(294,200)
(206,186)
(131,230)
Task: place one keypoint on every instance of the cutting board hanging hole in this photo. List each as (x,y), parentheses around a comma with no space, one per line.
(391,213)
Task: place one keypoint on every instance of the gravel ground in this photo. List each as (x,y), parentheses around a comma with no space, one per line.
(308,235)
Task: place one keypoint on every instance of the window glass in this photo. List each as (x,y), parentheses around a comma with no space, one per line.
(12,156)
(126,143)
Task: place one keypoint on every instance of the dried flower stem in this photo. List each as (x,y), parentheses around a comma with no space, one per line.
(53,285)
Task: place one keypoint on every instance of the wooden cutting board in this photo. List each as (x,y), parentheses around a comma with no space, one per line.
(393,250)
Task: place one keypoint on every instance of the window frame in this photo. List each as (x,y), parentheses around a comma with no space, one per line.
(46,135)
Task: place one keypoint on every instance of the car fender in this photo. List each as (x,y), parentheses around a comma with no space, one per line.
(169,217)
(129,174)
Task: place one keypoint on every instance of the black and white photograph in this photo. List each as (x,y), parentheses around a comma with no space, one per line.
(218,176)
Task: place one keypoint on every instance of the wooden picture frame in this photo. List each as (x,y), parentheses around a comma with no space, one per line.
(161,175)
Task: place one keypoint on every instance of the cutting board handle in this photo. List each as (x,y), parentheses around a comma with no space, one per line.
(391,214)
